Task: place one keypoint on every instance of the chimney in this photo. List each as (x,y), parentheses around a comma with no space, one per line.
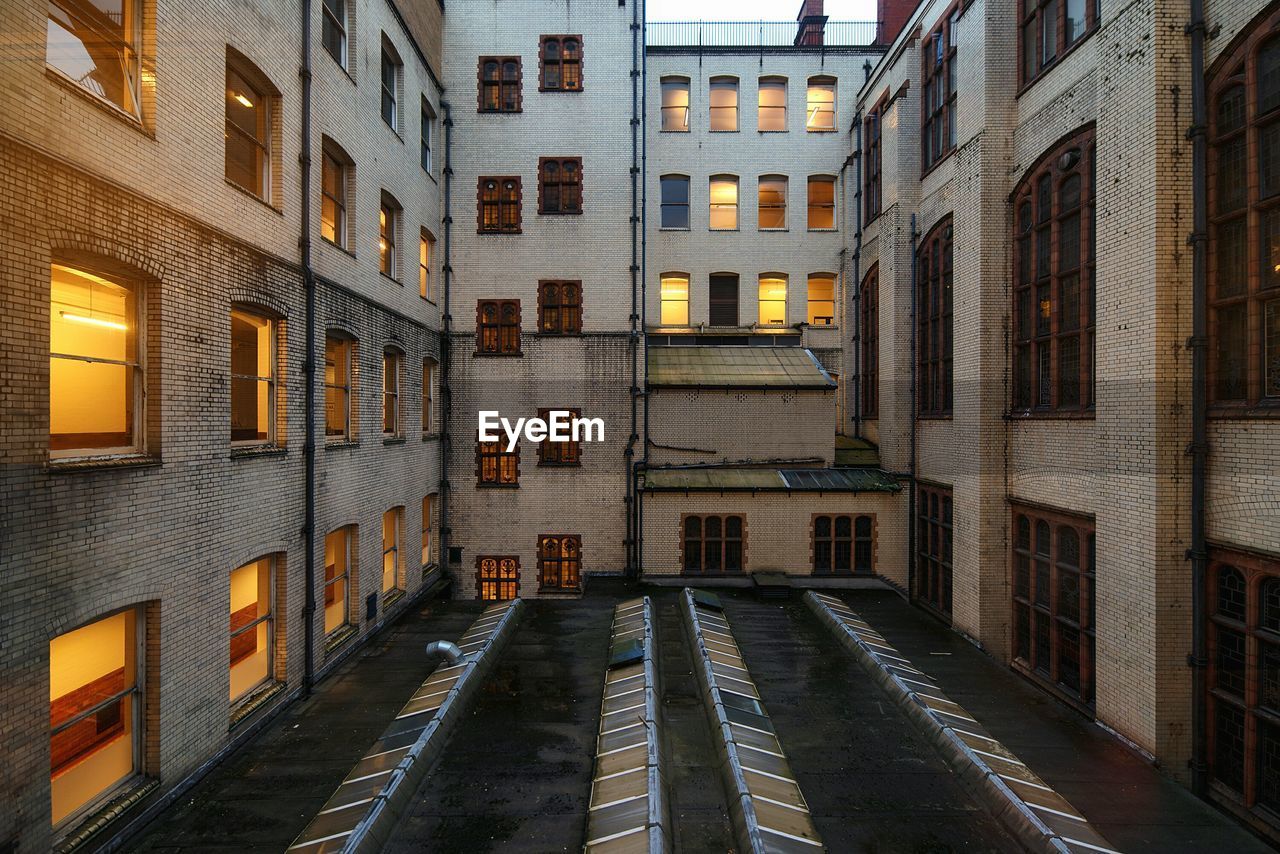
(893,16)
(810,22)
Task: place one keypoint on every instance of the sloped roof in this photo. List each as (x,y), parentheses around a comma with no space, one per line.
(733,478)
(737,367)
(856,452)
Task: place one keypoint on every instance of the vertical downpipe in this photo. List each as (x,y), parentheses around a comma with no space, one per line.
(446,343)
(644,255)
(308,363)
(856,324)
(632,498)
(1199,344)
(915,412)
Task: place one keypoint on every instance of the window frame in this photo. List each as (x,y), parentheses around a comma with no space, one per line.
(703,540)
(272,379)
(935,322)
(247,695)
(1035,18)
(810,317)
(259,86)
(714,302)
(427,247)
(426,137)
(331,154)
(396,516)
(559,454)
(938,91)
(505,341)
(664,205)
(500,205)
(811,206)
(568,191)
(502,564)
(673,276)
(390,219)
(723,80)
(556,564)
(760,203)
(561,62)
(832,540)
(869,311)
(495,455)
(392,392)
(772,276)
(349,534)
(820,80)
(934,573)
(771,80)
(713,205)
(392,93)
(674,80)
(428,529)
(348,345)
(500,85)
(562,315)
(329,20)
(873,187)
(130,62)
(430,370)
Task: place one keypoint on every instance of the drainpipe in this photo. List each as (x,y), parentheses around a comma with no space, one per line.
(644,270)
(637,331)
(1199,345)
(308,365)
(857,276)
(915,414)
(446,344)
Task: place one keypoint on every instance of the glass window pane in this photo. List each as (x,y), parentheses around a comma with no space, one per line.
(336,564)
(252,375)
(95,44)
(250,626)
(820,106)
(724,104)
(675,105)
(773,203)
(822,209)
(724,203)
(773,300)
(1268,71)
(822,300)
(773,105)
(1233,345)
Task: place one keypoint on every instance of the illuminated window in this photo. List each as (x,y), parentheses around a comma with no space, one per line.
(495,466)
(724,202)
(253,377)
(428,526)
(724,103)
(337,387)
(712,544)
(248,133)
(820,108)
(252,628)
(338,556)
(497,578)
(334,175)
(95,364)
(392,571)
(388,232)
(675,300)
(429,369)
(392,368)
(559,562)
(498,327)
(773,202)
(95,719)
(559,307)
(500,78)
(773,104)
(96,45)
(842,544)
(426,248)
(499,211)
(559,453)
(723,293)
(561,64)
(560,185)
(675,201)
(822,202)
(333,33)
(391,71)
(822,299)
(675,103)
(773,299)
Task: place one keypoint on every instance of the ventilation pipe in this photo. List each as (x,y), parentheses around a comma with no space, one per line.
(308,365)
(448,650)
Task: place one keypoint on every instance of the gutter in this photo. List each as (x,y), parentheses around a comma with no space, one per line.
(446,342)
(915,413)
(308,366)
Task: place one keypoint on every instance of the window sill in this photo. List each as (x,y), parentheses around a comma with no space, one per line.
(819,130)
(393,440)
(499,233)
(257,699)
(390,598)
(936,416)
(1227,411)
(946,155)
(823,229)
(661,228)
(344,250)
(546,465)
(574,591)
(784,130)
(105,106)
(487,355)
(252,195)
(1044,70)
(428,437)
(71,465)
(393,129)
(835,327)
(1064,415)
(391,279)
(784,230)
(515,112)
(482,485)
(341,444)
(427,300)
(131,792)
(713,130)
(559,213)
(339,637)
(561,89)
(674,130)
(1042,682)
(428,568)
(258,451)
(723,230)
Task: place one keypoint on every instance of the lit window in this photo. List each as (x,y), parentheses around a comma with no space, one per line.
(773,299)
(724,203)
(392,521)
(248,135)
(334,30)
(390,86)
(391,368)
(495,465)
(253,377)
(820,109)
(559,307)
(723,293)
(675,201)
(500,78)
(675,300)
(773,202)
(675,103)
(559,562)
(499,206)
(96,46)
(428,525)
(426,132)
(337,387)
(95,365)
(388,228)
(333,197)
(724,103)
(429,368)
(252,638)
(95,717)
(426,247)
(561,64)
(822,202)
(822,299)
(773,104)
(498,327)
(497,578)
(338,554)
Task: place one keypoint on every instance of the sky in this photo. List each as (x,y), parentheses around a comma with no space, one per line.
(753,10)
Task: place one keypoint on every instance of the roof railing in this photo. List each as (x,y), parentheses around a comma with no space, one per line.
(755,34)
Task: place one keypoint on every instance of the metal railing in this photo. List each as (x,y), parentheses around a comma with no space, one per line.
(754,33)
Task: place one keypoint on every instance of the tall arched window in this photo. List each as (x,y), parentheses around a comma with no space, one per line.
(1244,212)
(869,303)
(934,319)
(1053,288)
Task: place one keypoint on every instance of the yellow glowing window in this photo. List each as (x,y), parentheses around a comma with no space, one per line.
(724,202)
(253,377)
(426,246)
(248,134)
(93,712)
(428,520)
(252,639)
(387,228)
(391,393)
(773,299)
(822,202)
(773,201)
(724,103)
(675,103)
(337,572)
(391,521)
(333,199)
(428,395)
(821,107)
(337,387)
(94,364)
(675,301)
(96,46)
(822,299)
(773,104)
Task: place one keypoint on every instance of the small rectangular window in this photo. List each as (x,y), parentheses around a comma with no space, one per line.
(248,135)
(560,185)
(337,388)
(495,465)
(559,562)
(842,544)
(675,104)
(426,248)
(559,453)
(559,307)
(499,205)
(724,103)
(822,203)
(675,201)
(388,230)
(498,327)
(772,202)
(252,626)
(428,528)
(390,89)
(773,104)
(724,203)
(933,548)
(820,109)
(333,198)
(334,30)
(724,299)
(253,378)
(822,299)
(426,132)
(392,568)
(97,46)
(674,297)
(391,369)
(773,299)
(499,84)
(713,544)
(561,64)
(497,577)
(429,369)
(338,558)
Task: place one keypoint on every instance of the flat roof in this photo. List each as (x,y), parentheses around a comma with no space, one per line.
(737,367)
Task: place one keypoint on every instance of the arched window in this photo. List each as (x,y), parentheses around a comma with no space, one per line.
(820,104)
(934,321)
(772,104)
(675,104)
(561,64)
(772,202)
(1053,288)
(723,203)
(392,378)
(675,201)
(250,130)
(499,85)
(339,363)
(773,299)
(822,299)
(724,103)
(869,301)
(673,295)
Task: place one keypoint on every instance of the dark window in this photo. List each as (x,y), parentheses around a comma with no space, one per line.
(559,453)
(559,562)
(938,103)
(426,132)
(842,544)
(334,30)
(1244,210)
(1054,599)
(500,78)
(871,147)
(933,548)
(333,196)
(390,71)
(497,577)
(499,205)
(1053,289)
(495,466)
(560,185)
(934,337)
(1049,29)
(561,64)
(869,302)
(713,544)
(498,326)
(675,201)
(559,307)
(724,299)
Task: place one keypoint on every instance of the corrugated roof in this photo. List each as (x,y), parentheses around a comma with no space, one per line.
(730,478)
(737,367)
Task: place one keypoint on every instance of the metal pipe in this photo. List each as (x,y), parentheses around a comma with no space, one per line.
(643,390)
(308,365)
(446,393)
(857,277)
(1199,345)
(915,413)
(448,650)
(633,339)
